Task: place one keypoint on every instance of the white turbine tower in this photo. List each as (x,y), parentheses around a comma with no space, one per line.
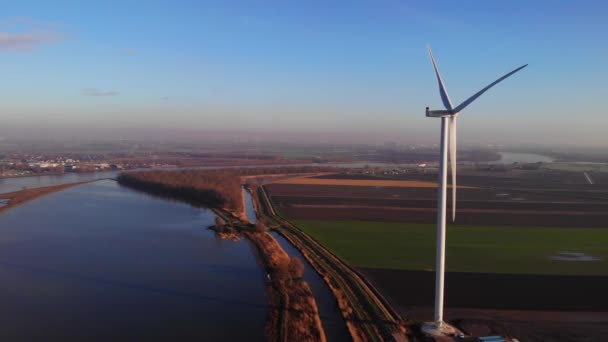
(448,138)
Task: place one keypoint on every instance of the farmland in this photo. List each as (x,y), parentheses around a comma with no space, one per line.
(359,182)
(517,235)
(496,249)
(505,267)
(544,198)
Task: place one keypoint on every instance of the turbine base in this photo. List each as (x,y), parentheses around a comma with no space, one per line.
(437,329)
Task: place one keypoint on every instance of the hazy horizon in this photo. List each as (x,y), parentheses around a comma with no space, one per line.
(307,72)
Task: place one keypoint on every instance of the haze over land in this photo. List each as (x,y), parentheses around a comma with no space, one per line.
(182,168)
(347,72)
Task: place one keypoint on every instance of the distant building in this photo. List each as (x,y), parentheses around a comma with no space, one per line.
(102,166)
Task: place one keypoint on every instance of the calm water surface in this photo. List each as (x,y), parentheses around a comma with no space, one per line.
(102,262)
(331,318)
(249,208)
(18,183)
(513,157)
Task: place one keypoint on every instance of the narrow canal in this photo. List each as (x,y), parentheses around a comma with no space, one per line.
(331,318)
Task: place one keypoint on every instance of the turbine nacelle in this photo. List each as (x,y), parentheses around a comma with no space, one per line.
(440,113)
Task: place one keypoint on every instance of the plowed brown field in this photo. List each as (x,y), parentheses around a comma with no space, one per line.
(359,182)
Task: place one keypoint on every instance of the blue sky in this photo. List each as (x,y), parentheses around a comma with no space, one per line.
(353,68)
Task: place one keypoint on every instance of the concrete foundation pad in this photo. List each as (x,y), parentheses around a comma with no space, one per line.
(439,329)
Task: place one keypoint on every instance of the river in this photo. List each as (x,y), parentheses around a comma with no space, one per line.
(103,262)
(522,158)
(18,183)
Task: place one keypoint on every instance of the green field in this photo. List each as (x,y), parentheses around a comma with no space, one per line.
(572,167)
(495,249)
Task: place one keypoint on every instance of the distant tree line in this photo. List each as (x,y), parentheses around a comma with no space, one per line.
(384,155)
(227,155)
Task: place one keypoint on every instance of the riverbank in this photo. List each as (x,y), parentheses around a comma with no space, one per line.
(18,197)
(330,319)
(367,314)
(293,307)
(293,312)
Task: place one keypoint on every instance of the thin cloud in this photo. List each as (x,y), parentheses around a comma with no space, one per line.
(98,92)
(27,41)
(24,34)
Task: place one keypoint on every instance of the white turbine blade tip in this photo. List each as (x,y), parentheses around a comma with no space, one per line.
(470,100)
(445,98)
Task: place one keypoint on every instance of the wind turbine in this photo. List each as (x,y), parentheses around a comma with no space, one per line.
(448,139)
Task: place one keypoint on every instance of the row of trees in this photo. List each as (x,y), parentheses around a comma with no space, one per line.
(279,170)
(211,188)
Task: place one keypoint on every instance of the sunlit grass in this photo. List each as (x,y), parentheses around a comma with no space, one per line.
(499,249)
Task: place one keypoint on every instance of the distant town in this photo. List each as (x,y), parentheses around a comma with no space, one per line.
(29,165)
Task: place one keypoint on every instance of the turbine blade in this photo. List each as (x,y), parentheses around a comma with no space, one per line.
(452,154)
(478,94)
(442,91)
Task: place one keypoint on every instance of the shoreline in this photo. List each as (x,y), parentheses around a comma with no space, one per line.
(367,314)
(16,198)
(293,311)
(34,175)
